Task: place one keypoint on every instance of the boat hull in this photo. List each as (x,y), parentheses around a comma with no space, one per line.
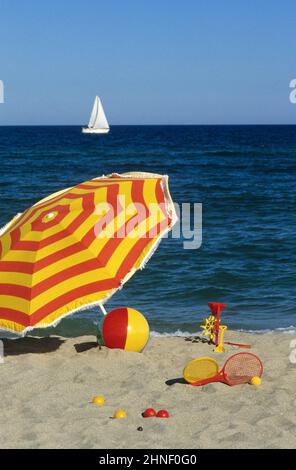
(87,130)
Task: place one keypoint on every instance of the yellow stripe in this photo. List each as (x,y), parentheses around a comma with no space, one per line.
(11,325)
(144,253)
(138,331)
(26,234)
(15,303)
(19,279)
(5,240)
(20,256)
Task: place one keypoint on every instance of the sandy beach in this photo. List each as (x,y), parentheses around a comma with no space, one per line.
(47,385)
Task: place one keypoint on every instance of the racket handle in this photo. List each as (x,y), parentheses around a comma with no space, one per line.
(238,344)
(216,378)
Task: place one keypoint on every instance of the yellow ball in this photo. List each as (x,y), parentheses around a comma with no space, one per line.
(255,380)
(98,400)
(119,414)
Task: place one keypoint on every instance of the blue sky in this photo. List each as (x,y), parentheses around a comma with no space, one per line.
(189,62)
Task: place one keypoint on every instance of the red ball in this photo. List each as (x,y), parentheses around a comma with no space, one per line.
(162,414)
(149,413)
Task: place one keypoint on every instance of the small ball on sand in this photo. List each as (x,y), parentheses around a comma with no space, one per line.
(98,400)
(119,414)
(255,381)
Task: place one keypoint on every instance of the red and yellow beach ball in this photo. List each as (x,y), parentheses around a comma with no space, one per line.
(125,328)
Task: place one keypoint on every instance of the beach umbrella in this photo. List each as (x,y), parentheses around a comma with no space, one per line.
(77,247)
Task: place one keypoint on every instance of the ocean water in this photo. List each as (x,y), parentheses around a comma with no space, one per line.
(243,175)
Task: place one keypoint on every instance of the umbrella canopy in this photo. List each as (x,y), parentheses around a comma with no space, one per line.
(76,247)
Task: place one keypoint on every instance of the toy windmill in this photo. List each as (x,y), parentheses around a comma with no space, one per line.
(215,331)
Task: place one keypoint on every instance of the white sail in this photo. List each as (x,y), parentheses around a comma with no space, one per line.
(101,120)
(98,123)
(98,119)
(94,113)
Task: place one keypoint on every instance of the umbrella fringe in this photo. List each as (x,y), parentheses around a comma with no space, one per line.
(6,226)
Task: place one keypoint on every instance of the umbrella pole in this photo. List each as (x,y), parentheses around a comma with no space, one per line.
(100,340)
(103,310)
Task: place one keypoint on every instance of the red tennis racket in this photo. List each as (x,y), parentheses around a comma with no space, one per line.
(238,369)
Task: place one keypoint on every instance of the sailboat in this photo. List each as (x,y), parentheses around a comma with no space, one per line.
(98,123)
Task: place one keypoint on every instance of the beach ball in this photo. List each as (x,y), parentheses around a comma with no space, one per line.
(125,328)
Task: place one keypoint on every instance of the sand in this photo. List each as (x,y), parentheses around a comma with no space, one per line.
(47,385)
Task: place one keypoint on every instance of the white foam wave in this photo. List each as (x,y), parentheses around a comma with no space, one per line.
(175,333)
(288,330)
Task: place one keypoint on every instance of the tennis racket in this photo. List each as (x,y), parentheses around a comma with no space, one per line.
(238,369)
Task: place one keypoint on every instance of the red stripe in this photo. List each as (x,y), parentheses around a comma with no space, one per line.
(15,290)
(114,328)
(15,316)
(15,236)
(40,226)
(16,267)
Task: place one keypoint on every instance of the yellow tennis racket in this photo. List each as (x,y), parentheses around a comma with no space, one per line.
(201,368)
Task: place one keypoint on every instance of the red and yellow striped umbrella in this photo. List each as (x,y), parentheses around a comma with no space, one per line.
(77,247)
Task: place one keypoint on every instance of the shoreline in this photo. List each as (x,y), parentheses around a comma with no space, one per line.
(289,330)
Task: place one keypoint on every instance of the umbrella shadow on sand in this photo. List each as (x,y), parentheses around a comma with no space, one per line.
(82,347)
(31,345)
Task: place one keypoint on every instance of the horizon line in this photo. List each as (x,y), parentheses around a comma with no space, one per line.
(150,125)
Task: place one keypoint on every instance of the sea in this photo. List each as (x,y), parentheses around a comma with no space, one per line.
(244,177)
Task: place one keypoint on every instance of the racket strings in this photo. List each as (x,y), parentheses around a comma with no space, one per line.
(200,369)
(240,368)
